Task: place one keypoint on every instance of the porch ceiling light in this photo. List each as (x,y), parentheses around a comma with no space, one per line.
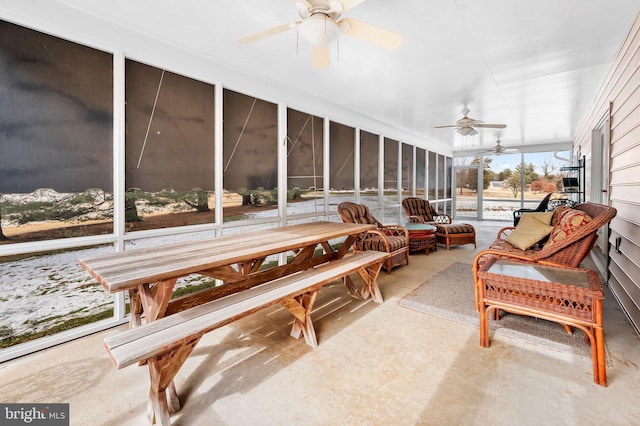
(467,131)
(319,29)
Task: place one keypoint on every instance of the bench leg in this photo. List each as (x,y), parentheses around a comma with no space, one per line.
(163,399)
(300,307)
(348,282)
(370,277)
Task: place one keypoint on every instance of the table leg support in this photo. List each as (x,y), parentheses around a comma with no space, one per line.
(163,399)
(135,306)
(154,299)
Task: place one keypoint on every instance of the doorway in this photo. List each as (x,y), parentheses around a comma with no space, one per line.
(467,192)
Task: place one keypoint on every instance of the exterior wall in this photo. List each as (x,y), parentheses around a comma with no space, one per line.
(619,100)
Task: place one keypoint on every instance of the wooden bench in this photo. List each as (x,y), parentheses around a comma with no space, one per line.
(167,342)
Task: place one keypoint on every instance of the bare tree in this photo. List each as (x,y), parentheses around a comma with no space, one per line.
(201,202)
(2,236)
(547,168)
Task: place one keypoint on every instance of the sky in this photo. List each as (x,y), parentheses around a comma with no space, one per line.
(511,160)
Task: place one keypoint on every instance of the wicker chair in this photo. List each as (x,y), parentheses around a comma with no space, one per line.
(392,239)
(567,251)
(419,210)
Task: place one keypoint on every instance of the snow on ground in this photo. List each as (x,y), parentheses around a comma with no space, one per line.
(43,290)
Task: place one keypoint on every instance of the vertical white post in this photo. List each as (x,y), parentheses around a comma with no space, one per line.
(326,173)
(119,78)
(426,174)
(381,174)
(218,166)
(414,183)
(399,173)
(282,171)
(356,164)
(282,162)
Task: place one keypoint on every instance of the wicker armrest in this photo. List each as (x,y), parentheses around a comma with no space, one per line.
(504,232)
(372,233)
(416,219)
(377,235)
(397,230)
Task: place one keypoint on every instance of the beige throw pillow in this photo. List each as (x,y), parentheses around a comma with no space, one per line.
(529,231)
(544,217)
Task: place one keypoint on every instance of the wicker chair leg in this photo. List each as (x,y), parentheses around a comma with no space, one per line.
(388,265)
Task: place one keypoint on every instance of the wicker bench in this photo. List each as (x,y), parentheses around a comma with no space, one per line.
(167,342)
(572,245)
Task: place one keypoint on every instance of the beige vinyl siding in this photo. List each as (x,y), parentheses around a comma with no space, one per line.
(619,97)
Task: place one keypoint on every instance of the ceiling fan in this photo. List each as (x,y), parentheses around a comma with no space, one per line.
(321,25)
(498,150)
(467,126)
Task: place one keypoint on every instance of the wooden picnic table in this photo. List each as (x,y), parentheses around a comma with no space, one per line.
(150,274)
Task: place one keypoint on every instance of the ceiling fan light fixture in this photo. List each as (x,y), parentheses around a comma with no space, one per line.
(319,29)
(467,131)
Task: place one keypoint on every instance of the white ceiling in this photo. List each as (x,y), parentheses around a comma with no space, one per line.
(533,65)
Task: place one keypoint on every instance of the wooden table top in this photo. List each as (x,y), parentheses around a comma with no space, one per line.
(125,270)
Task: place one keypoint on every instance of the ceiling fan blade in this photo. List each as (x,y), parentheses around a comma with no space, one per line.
(370,33)
(490,126)
(498,150)
(268,33)
(442,127)
(320,56)
(350,4)
(493,152)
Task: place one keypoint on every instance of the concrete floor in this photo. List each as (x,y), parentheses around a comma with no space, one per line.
(375,364)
